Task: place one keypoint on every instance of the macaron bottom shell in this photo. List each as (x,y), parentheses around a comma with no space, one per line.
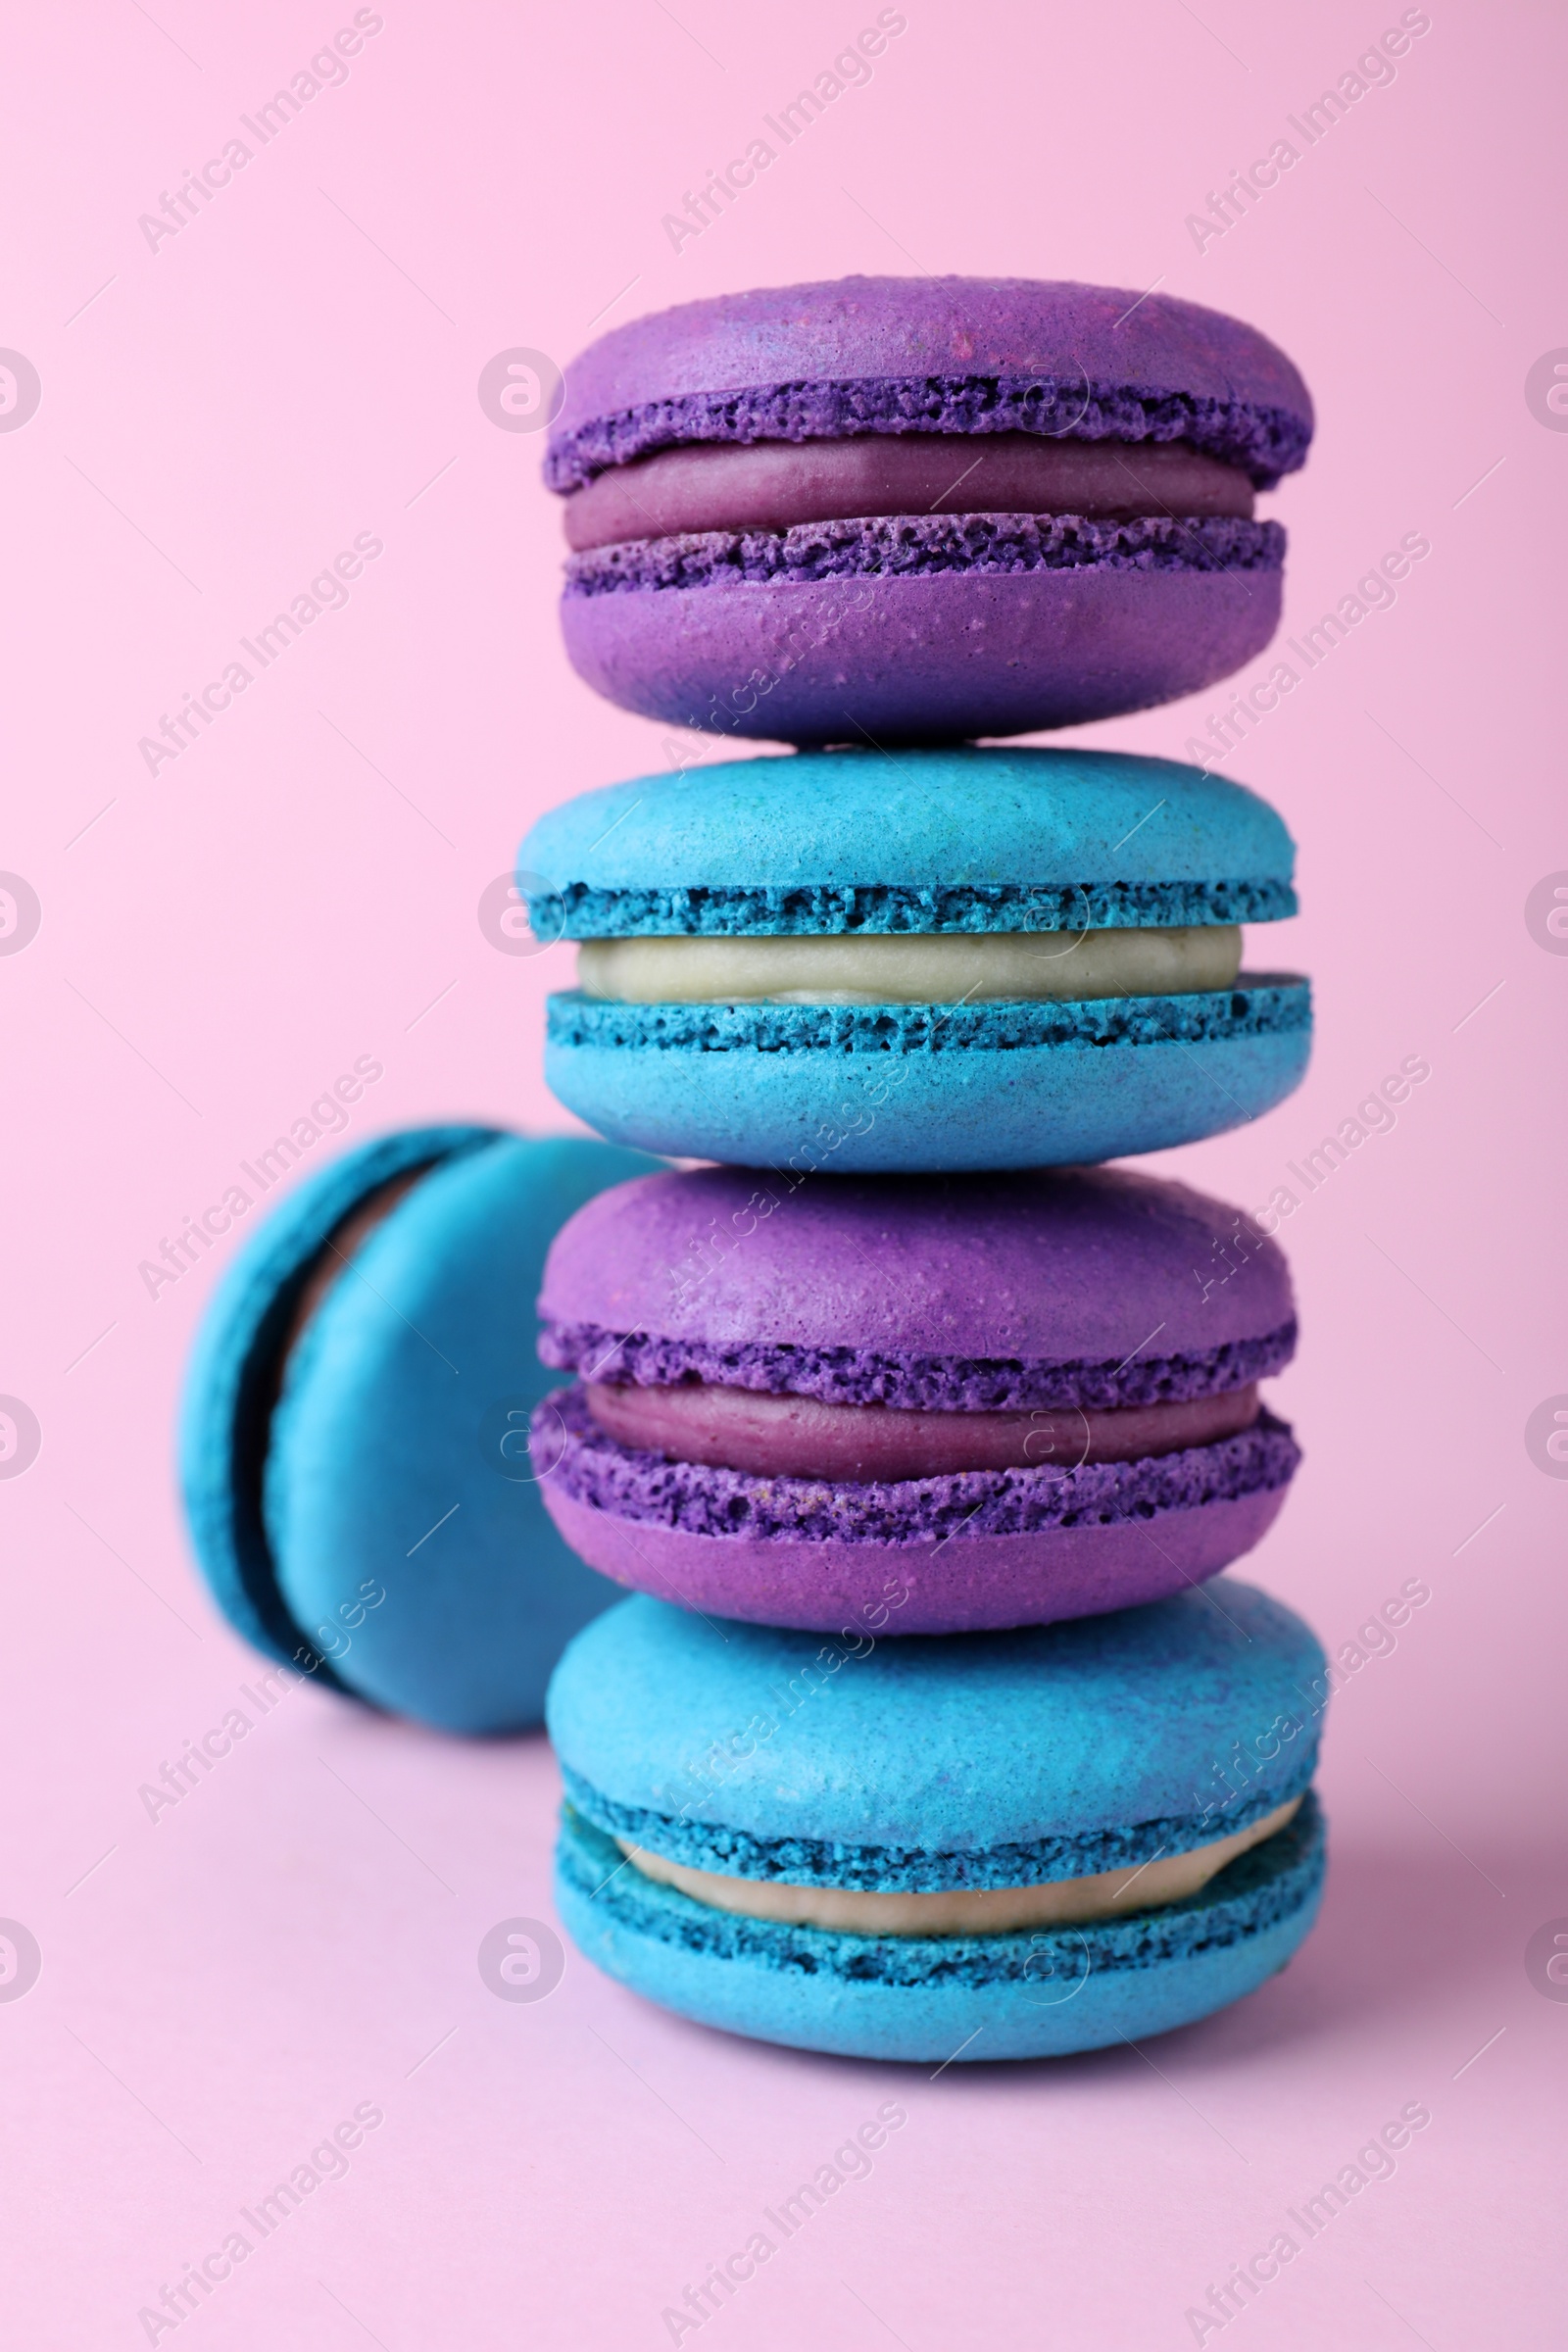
(936,1999)
(929,1088)
(919,660)
(963,1583)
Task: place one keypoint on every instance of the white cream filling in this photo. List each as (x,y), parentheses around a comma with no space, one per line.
(931,967)
(964,1911)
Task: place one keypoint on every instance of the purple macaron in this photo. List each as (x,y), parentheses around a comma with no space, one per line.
(921,509)
(915,1403)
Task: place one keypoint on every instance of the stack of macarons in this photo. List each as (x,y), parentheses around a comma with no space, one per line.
(932,1729)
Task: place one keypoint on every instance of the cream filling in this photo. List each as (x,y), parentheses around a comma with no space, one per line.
(928,967)
(773,485)
(343,1244)
(965,1910)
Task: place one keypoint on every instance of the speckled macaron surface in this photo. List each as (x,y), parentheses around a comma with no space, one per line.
(874,845)
(924,625)
(1028,1293)
(359,1494)
(985,1761)
(954,355)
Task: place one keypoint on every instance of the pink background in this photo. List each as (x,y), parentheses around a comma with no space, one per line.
(222,415)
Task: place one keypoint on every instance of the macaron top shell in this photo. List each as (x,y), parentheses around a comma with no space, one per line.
(947,354)
(971,1759)
(233,1377)
(383,1452)
(950,840)
(321,1442)
(1097,1286)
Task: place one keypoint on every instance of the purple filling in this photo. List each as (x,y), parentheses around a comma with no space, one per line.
(919,1383)
(593,1470)
(922,545)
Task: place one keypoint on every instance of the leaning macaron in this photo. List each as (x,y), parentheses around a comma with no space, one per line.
(913,1405)
(921,509)
(1002,1845)
(942,958)
(353,1440)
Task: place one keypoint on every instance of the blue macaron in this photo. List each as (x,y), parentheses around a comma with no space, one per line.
(354,1430)
(1109,886)
(976,1846)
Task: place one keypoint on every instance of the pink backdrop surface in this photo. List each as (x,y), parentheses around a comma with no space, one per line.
(223,410)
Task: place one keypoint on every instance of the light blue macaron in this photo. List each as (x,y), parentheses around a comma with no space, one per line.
(354,1450)
(871,842)
(969,1761)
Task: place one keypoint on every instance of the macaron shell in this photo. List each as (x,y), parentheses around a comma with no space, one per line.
(931,839)
(919,658)
(1048,1752)
(1095,1268)
(869,354)
(970,1999)
(967,1584)
(784,1084)
(228,1389)
(383,1469)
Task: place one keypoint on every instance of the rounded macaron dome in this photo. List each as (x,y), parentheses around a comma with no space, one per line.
(940,959)
(914,1404)
(1002,1845)
(353,1438)
(922,509)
